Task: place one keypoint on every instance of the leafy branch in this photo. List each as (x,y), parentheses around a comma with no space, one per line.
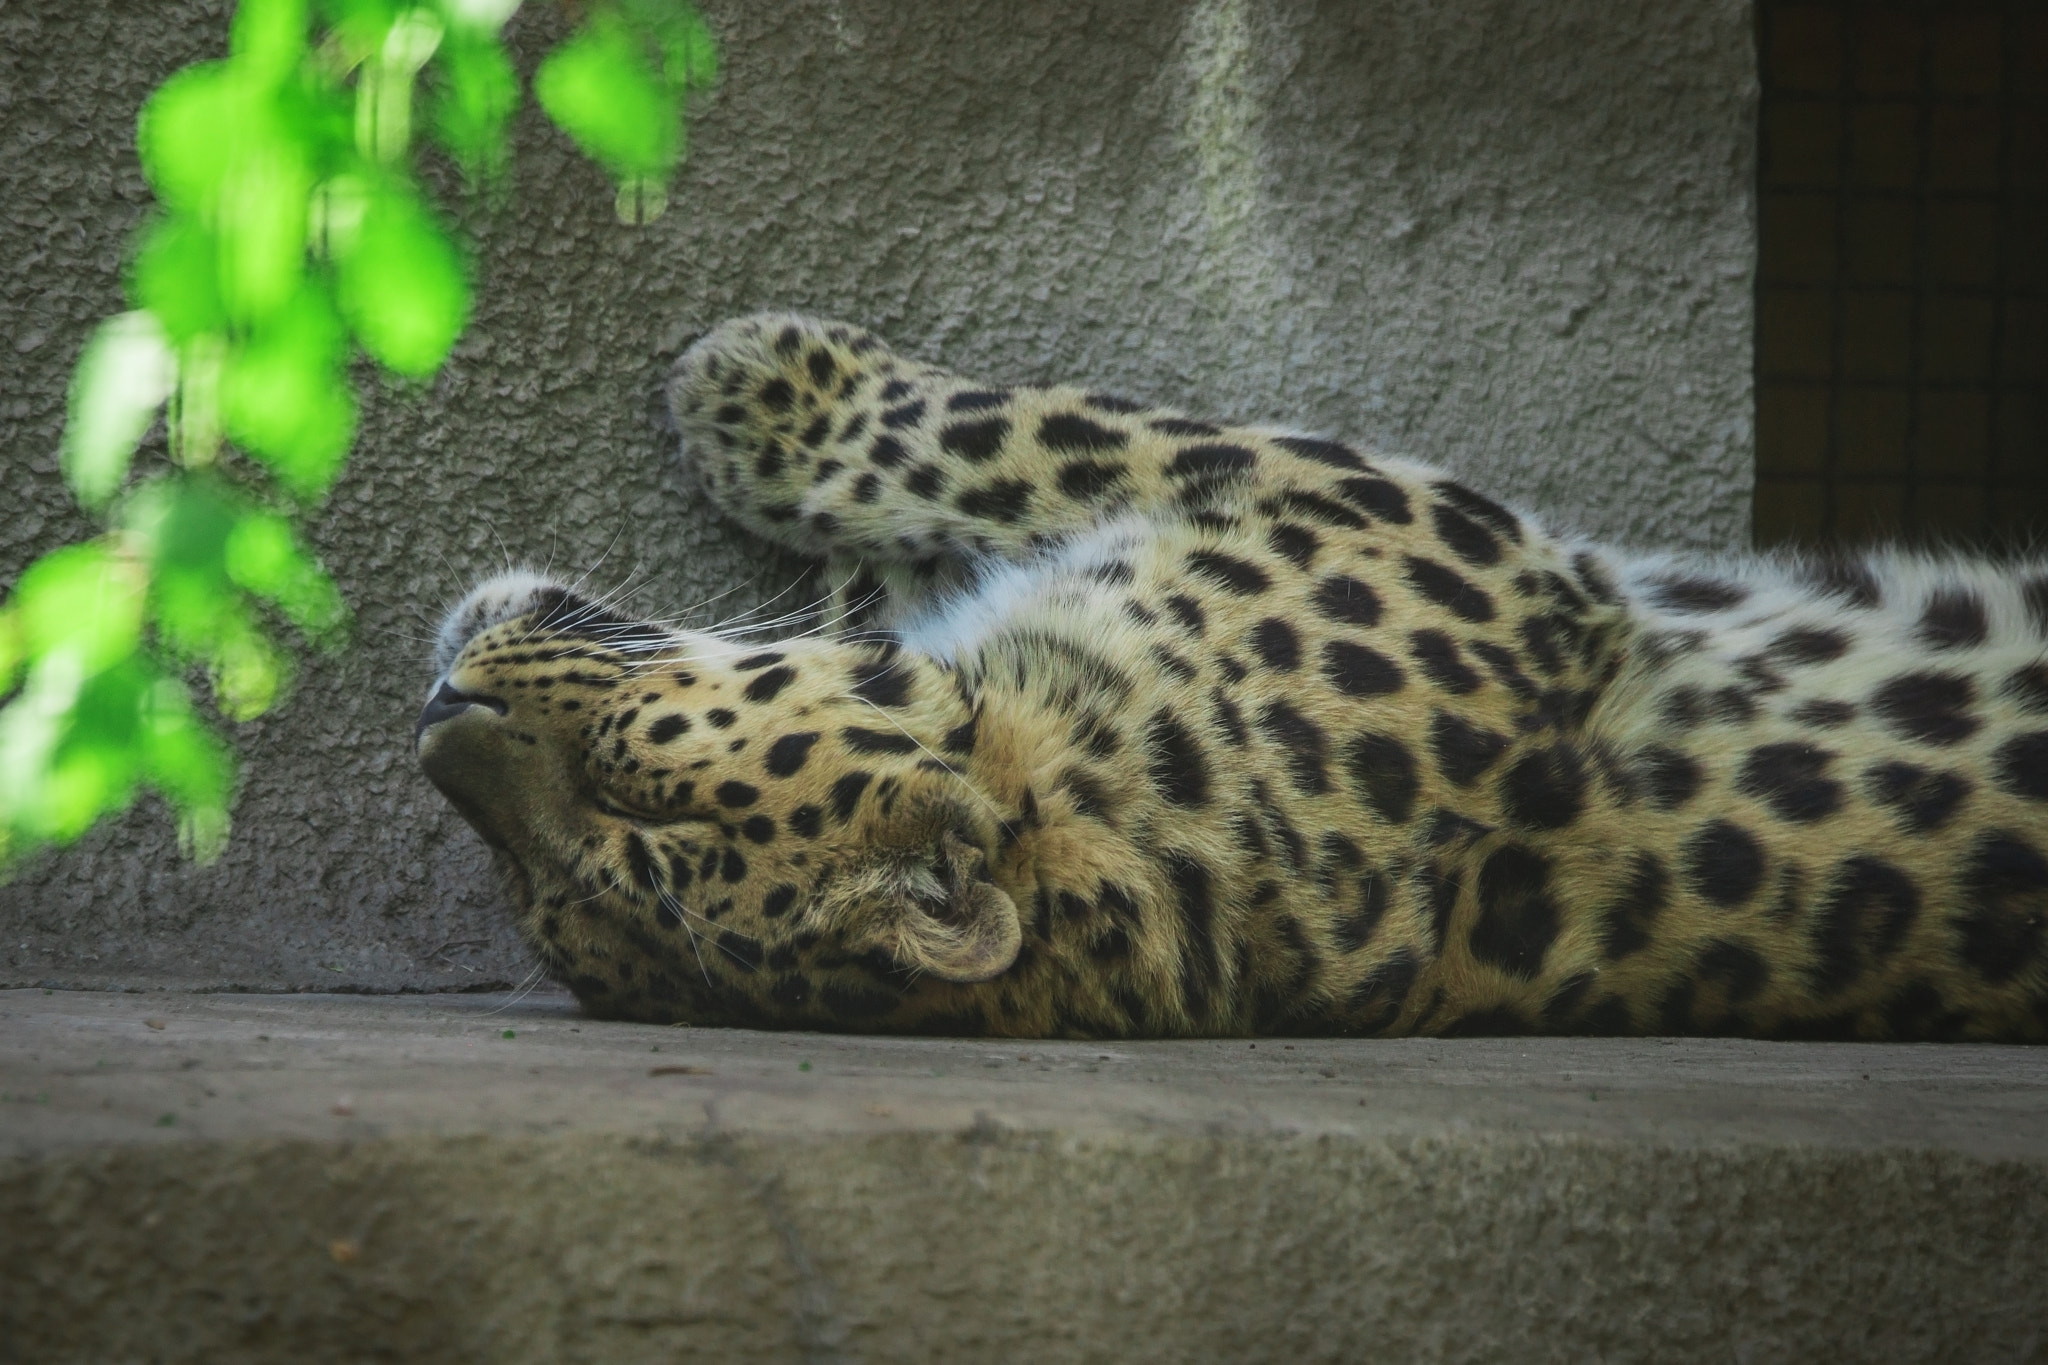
(290,233)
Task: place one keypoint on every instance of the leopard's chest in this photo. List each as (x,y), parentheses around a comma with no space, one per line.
(1059,584)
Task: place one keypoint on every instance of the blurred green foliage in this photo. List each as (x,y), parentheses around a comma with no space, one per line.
(290,233)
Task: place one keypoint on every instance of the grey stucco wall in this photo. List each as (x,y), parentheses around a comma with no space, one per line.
(1515,239)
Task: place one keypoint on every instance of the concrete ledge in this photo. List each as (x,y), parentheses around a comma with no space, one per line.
(228,1178)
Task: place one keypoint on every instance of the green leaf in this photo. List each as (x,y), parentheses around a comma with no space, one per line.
(94,765)
(184,525)
(689,52)
(77,623)
(180,522)
(285,395)
(360,25)
(600,89)
(65,750)
(175,276)
(13,649)
(186,134)
(207,551)
(84,602)
(189,765)
(239,324)
(83,782)
(483,17)
(412,40)
(401,284)
(474,104)
(384,85)
(249,673)
(123,377)
(73,748)
(366,13)
(32,725)
(263,556)
(268,37)
(228,148)
(261,217)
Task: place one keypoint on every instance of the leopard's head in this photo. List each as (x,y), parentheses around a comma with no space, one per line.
(699,829)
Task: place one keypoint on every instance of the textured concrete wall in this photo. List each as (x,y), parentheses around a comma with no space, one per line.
(1513,238)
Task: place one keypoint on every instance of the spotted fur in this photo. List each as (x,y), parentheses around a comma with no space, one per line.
(1133,724)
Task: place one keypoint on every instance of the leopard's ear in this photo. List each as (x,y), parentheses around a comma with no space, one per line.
(932,908)
(969,930)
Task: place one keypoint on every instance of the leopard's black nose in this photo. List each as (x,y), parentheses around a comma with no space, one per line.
(447,703)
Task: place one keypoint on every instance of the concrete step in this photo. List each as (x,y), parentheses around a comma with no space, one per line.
(251,1178)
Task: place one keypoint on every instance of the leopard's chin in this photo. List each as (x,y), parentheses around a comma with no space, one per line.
(518,883)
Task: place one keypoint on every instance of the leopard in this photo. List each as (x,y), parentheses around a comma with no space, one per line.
(1114,722)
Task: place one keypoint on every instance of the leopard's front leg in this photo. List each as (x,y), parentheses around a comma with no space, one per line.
(819,437)
(869,598)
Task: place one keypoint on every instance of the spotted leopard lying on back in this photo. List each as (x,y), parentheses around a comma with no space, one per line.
(1134,724)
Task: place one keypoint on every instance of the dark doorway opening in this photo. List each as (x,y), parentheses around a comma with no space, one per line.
(1902,294)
